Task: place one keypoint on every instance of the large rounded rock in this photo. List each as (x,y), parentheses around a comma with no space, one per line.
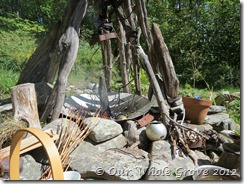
(102,129)
(31,169)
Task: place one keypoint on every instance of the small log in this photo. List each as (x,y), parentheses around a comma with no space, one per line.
(24,103)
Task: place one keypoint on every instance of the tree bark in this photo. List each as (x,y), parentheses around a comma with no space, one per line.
(104,102)
(68,44)
(131,35)
(123,63)
(43,64)
(24,103)
(166,68)
(134,40)
(141,13)
(107,61)
(143,22)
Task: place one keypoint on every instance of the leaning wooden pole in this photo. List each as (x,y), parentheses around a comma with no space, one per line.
(164,63)
(123,63)
(107,60)
(68,47)
(164,111)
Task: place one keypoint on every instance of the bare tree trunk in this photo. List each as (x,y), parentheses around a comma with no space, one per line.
(166,68)
(134,40)
(131,35)
(68,44)
(123,64)
(158,52)
(43,64)
(141,13)
(129,13)
(25,104)
(143,22)
(128,56)
(107,61)
(137,75)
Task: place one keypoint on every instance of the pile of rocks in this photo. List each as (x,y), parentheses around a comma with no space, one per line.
(122,151)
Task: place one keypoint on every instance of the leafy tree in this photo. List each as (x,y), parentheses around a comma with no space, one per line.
(50,11)
(202,36)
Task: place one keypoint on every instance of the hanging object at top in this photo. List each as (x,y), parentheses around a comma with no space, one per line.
(105,33)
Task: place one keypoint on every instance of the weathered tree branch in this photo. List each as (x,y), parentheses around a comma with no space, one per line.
(68,44)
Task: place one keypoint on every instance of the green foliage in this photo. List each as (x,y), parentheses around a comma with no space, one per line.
(8,79)
(18,42)
(144,82)
(202,35)
(234,110)
(14,51)
(190,91)
(51,11)
(21,26)
(88,65)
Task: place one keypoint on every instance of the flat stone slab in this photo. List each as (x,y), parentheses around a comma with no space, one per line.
(112,164)
(163,167)
(201,128)
(216,109)
(216,118)
(117,142)
(39,154)
(221,121)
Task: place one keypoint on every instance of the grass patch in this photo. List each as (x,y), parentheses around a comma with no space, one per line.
(8,80)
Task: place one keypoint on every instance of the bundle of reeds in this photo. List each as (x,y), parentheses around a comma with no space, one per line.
(70,139)
(8,129)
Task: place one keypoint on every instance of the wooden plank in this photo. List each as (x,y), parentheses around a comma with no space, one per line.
(28,144)
(107,36)
(103,37)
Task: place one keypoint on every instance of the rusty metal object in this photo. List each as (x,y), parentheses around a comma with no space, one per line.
(107,36)
(145,120)
(102,37)
(4,165)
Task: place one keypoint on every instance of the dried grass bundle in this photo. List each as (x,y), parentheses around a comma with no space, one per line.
(8,129)
(70,139)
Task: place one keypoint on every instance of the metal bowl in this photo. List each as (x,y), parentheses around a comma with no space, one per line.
(156,131)
(129,105)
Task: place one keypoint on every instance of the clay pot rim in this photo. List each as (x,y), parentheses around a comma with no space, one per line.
(202,101)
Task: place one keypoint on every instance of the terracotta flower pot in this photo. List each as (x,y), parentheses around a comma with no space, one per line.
(196,110)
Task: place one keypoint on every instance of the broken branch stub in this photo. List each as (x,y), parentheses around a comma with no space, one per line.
(24,103)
